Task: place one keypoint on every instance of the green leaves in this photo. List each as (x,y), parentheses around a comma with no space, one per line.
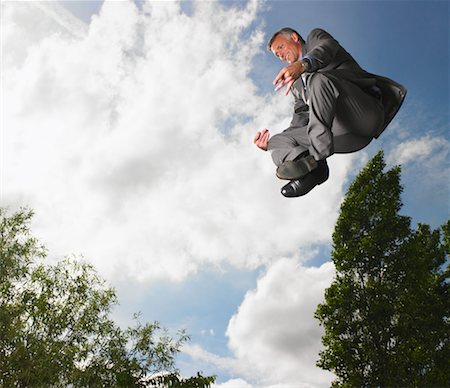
(385,313)
(55,325)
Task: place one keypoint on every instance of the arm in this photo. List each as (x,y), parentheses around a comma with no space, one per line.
(322,50)
(300,118)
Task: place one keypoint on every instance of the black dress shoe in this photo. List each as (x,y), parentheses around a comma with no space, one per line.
(299,187)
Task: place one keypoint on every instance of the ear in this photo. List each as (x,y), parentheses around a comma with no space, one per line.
(294,37)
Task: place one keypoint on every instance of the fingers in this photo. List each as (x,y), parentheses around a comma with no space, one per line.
(284,82)
(287,76)
(289,82)
(283,78)
(264,139)
(261,139)
(279,76)
(288,87)
(279,86)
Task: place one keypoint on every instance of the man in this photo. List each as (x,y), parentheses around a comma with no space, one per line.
(339,107)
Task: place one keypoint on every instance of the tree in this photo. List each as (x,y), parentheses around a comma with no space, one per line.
(56,330)
(386,314)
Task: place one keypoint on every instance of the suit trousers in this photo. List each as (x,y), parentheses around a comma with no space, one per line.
(343,118)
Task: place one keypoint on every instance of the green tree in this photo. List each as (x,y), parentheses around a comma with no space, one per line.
(56,330)
(386,314)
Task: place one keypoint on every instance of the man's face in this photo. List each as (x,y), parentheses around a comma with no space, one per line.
(287,50)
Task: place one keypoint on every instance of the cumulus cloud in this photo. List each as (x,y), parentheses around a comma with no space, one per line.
(131,138)
(274,336)
(234,383)
(425,156)
(419,149)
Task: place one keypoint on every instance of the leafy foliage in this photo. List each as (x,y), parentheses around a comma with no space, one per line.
(172,380)
(386,315)
(55,325)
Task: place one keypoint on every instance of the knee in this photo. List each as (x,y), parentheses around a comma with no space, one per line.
(273,143)
(280,140)
(319,81)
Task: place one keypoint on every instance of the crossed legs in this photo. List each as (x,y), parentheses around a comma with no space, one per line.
(342,119)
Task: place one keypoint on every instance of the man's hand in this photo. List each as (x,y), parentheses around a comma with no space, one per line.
(261,139)
(288,75)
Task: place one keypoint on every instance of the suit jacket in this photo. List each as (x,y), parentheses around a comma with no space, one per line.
(332,58)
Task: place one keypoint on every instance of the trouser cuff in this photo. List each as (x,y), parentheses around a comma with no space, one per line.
(296,169)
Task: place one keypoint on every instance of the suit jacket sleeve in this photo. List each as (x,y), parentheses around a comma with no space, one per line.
(322,49)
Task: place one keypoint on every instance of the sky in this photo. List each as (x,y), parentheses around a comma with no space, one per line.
(127,127)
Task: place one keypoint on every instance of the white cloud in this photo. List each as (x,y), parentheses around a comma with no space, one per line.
(233,383)
(274,336)
(133,142)
(428,157)
(418,149)
(25,25)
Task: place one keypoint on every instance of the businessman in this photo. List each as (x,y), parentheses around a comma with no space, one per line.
(338,107)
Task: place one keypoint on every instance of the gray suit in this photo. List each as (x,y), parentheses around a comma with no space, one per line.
(339,107)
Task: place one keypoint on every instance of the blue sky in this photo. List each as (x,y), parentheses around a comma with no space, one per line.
(198,246)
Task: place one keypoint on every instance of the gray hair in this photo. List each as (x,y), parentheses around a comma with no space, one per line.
(287,32)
